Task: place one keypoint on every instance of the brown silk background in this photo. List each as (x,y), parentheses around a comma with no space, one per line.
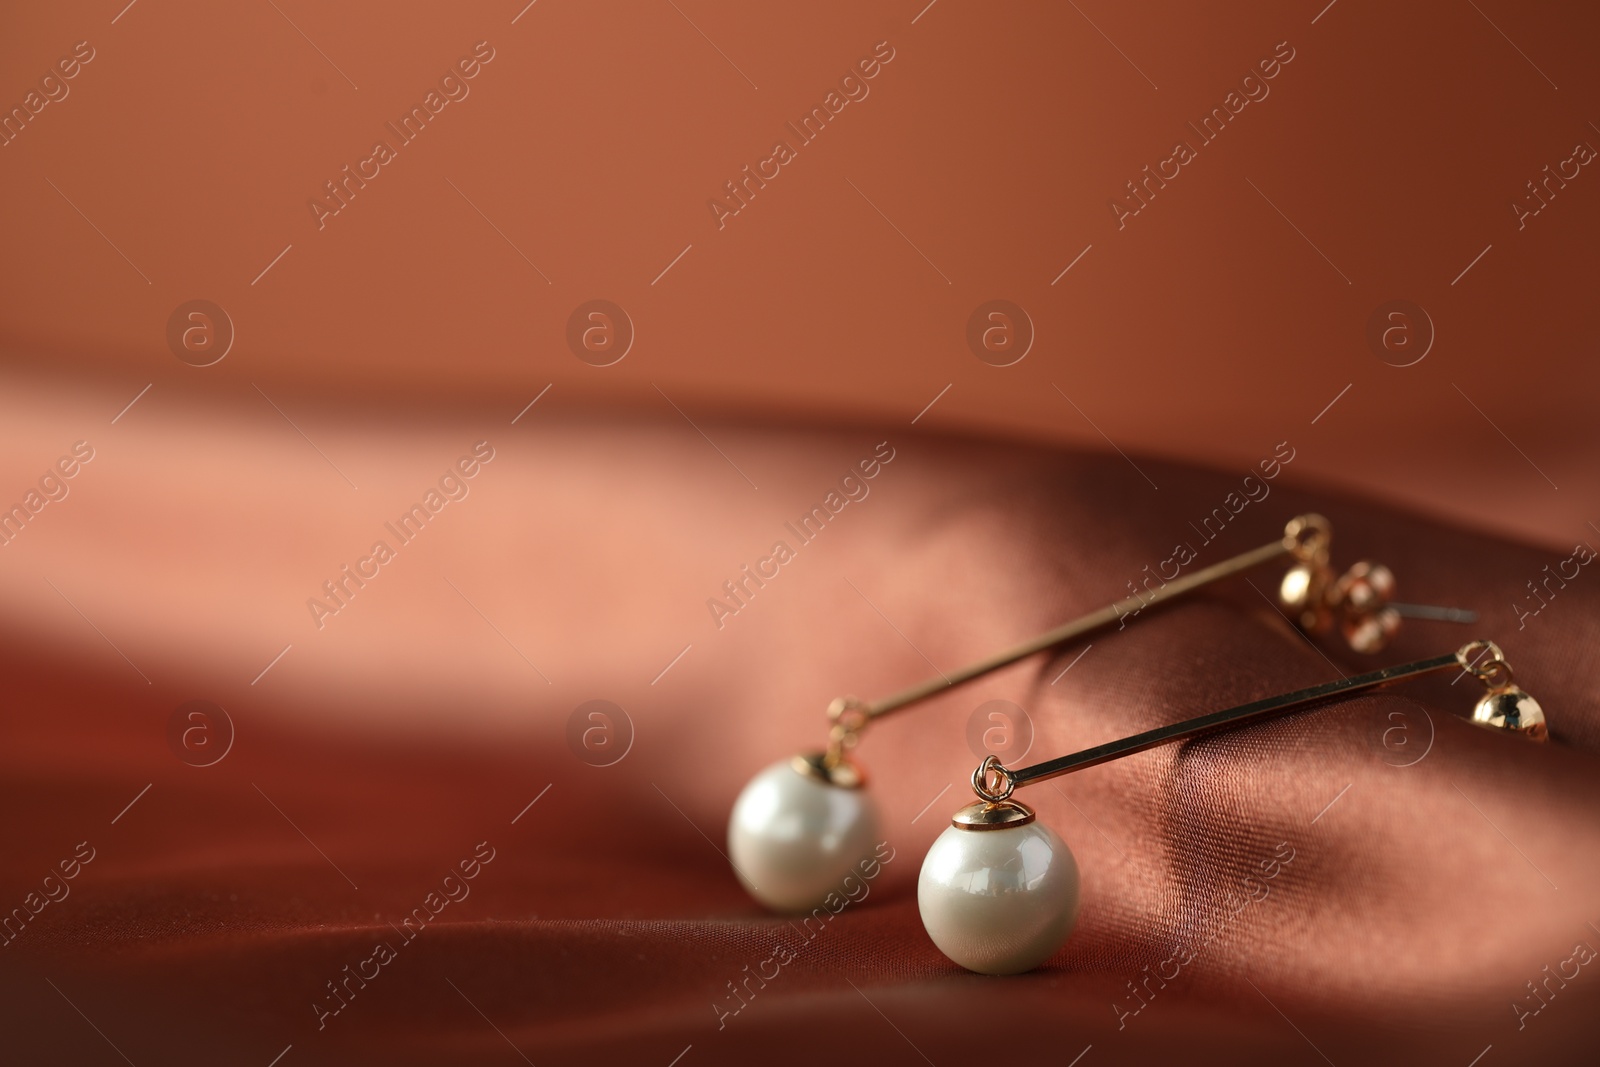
(1437,869)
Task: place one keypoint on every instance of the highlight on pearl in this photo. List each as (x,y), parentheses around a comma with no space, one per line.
(798,829)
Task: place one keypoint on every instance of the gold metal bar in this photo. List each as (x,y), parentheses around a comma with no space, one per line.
(1078,627)
(1258,709)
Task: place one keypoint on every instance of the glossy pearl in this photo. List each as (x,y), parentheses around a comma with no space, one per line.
(999,901)
(793,838)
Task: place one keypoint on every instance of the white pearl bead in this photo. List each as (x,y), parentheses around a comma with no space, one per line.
(793,839)
(999,901)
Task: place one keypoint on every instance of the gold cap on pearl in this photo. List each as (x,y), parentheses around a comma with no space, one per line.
(844,774)
(1001,815)
(1511,708)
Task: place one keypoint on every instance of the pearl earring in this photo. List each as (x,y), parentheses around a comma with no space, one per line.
(803,824)
(998,891)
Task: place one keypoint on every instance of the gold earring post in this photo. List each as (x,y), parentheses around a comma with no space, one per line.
(1305,539)
(1491,669)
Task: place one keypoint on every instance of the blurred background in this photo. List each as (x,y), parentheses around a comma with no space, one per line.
(1384,162)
